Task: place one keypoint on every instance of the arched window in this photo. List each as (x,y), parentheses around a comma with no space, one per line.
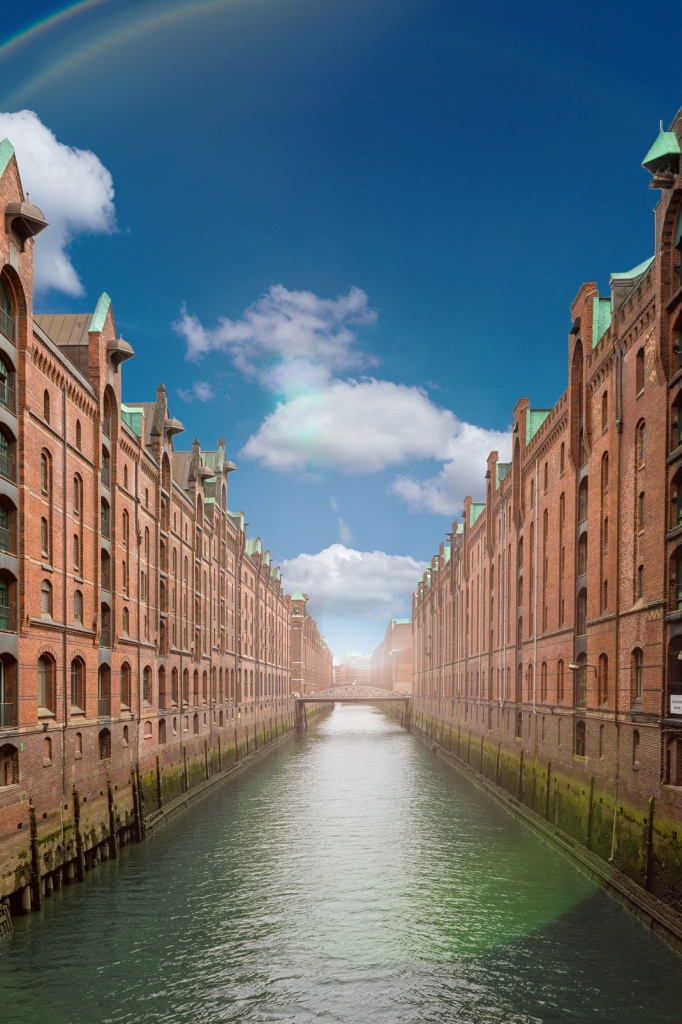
(174,687)
(546,478)
(7,526)
(105,518)
(162,730)
(77,685)
(582,612)
(78,744)
(163,696)
(582,501)
(44,473)
(562,458)
(520,560)
(604,410)
(125,685)
(79,435)
(582,450)
(105,626)
(46,694)
(46,406)
(77,495)
(78,607)
(603,680)
(637,672)
(640,511)
(126,621)
(44,540)
(641,444)
(196,687)
(543,682)
(582,554)
(185,686)
(104,691)
(635,747)
(639,371)
(47,750)
(8,692)
(147,685)
(196,724)
(104,745)
(580,737)
(9,765)
(46,599)
(640,581)
(605,473)
(605,535)
(106,416)
(6,384)
(529,682)
(519,724)
(518,696)
(105,576)
(106,467)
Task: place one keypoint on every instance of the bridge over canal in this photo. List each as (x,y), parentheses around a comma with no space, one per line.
(353,695)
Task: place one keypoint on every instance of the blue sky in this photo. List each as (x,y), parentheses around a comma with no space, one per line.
(429,183)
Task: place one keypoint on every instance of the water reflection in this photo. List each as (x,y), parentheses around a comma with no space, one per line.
(351,877)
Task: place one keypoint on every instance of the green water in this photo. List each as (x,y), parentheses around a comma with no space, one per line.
(350,877)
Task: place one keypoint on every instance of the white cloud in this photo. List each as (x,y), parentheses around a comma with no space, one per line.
(286,339)
(347,583)
(345,532)
(201,390)
(355,427)
(462,473)
(71,186)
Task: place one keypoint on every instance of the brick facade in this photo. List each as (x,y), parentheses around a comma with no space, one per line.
(391,661)
(573,558)
(141,631)
(311,658)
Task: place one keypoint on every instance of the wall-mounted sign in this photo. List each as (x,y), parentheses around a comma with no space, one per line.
(676,703)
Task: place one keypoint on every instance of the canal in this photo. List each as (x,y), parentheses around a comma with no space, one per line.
(352,877)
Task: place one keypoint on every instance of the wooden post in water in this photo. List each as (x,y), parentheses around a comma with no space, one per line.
(649,864)
(590,806)
(159,798)
(140,803)
(547,789)
(521,775)
(80,858)
(36,896)
(113,852)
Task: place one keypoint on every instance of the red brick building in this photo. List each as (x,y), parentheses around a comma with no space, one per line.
(141,632)
(552,621)
(391,662)
(311,659)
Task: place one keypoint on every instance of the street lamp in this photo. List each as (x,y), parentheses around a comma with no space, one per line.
(574,667)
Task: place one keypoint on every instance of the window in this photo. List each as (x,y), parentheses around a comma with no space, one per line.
(47,751)
(125,685)
(605,535)
(603,680)
(582,555)
(125,477)
(105,571)
(196,724)
(580,738)
(519,724)
(77,685)
(640,581)
(105,521)
(105,626)
(77,495)
(641,444)
(635,747)
(147,685)
(46,695)
(44,540)
(560,682)
(46,599)
(543,682)
(605,473)
(582,501)
(532,492)
(520,562)
(106,467)
(78,607)
(78,744)
(79,435)
(6,385)
(605,596)
(640,511)
(604,410)
(126,622)
(104,745)
(124,575)
(546,478)
(46,406)
(562,456)
(637,673)
(146,497)
(126,527)
(174,687)
(7,526)
(162,730)
(582,612)
(44,474)
(639,372)
(125,736)
(582,450)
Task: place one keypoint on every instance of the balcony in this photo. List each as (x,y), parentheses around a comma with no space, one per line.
(7,325)
(8,716)
(7,397)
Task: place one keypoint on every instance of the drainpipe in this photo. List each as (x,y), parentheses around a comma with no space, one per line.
(619,445)
(65,594)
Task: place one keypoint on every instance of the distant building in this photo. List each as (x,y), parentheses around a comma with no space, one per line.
(391,660)
(311,658)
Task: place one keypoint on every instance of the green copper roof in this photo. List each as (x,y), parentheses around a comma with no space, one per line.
(601,318)
(6,154)
(501,473)
(630,275)
(665,147)
(474,512)
(100,314)
(297,596)
(534,420)
(254,547)
(460,528)
(132,417)
(446,553)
